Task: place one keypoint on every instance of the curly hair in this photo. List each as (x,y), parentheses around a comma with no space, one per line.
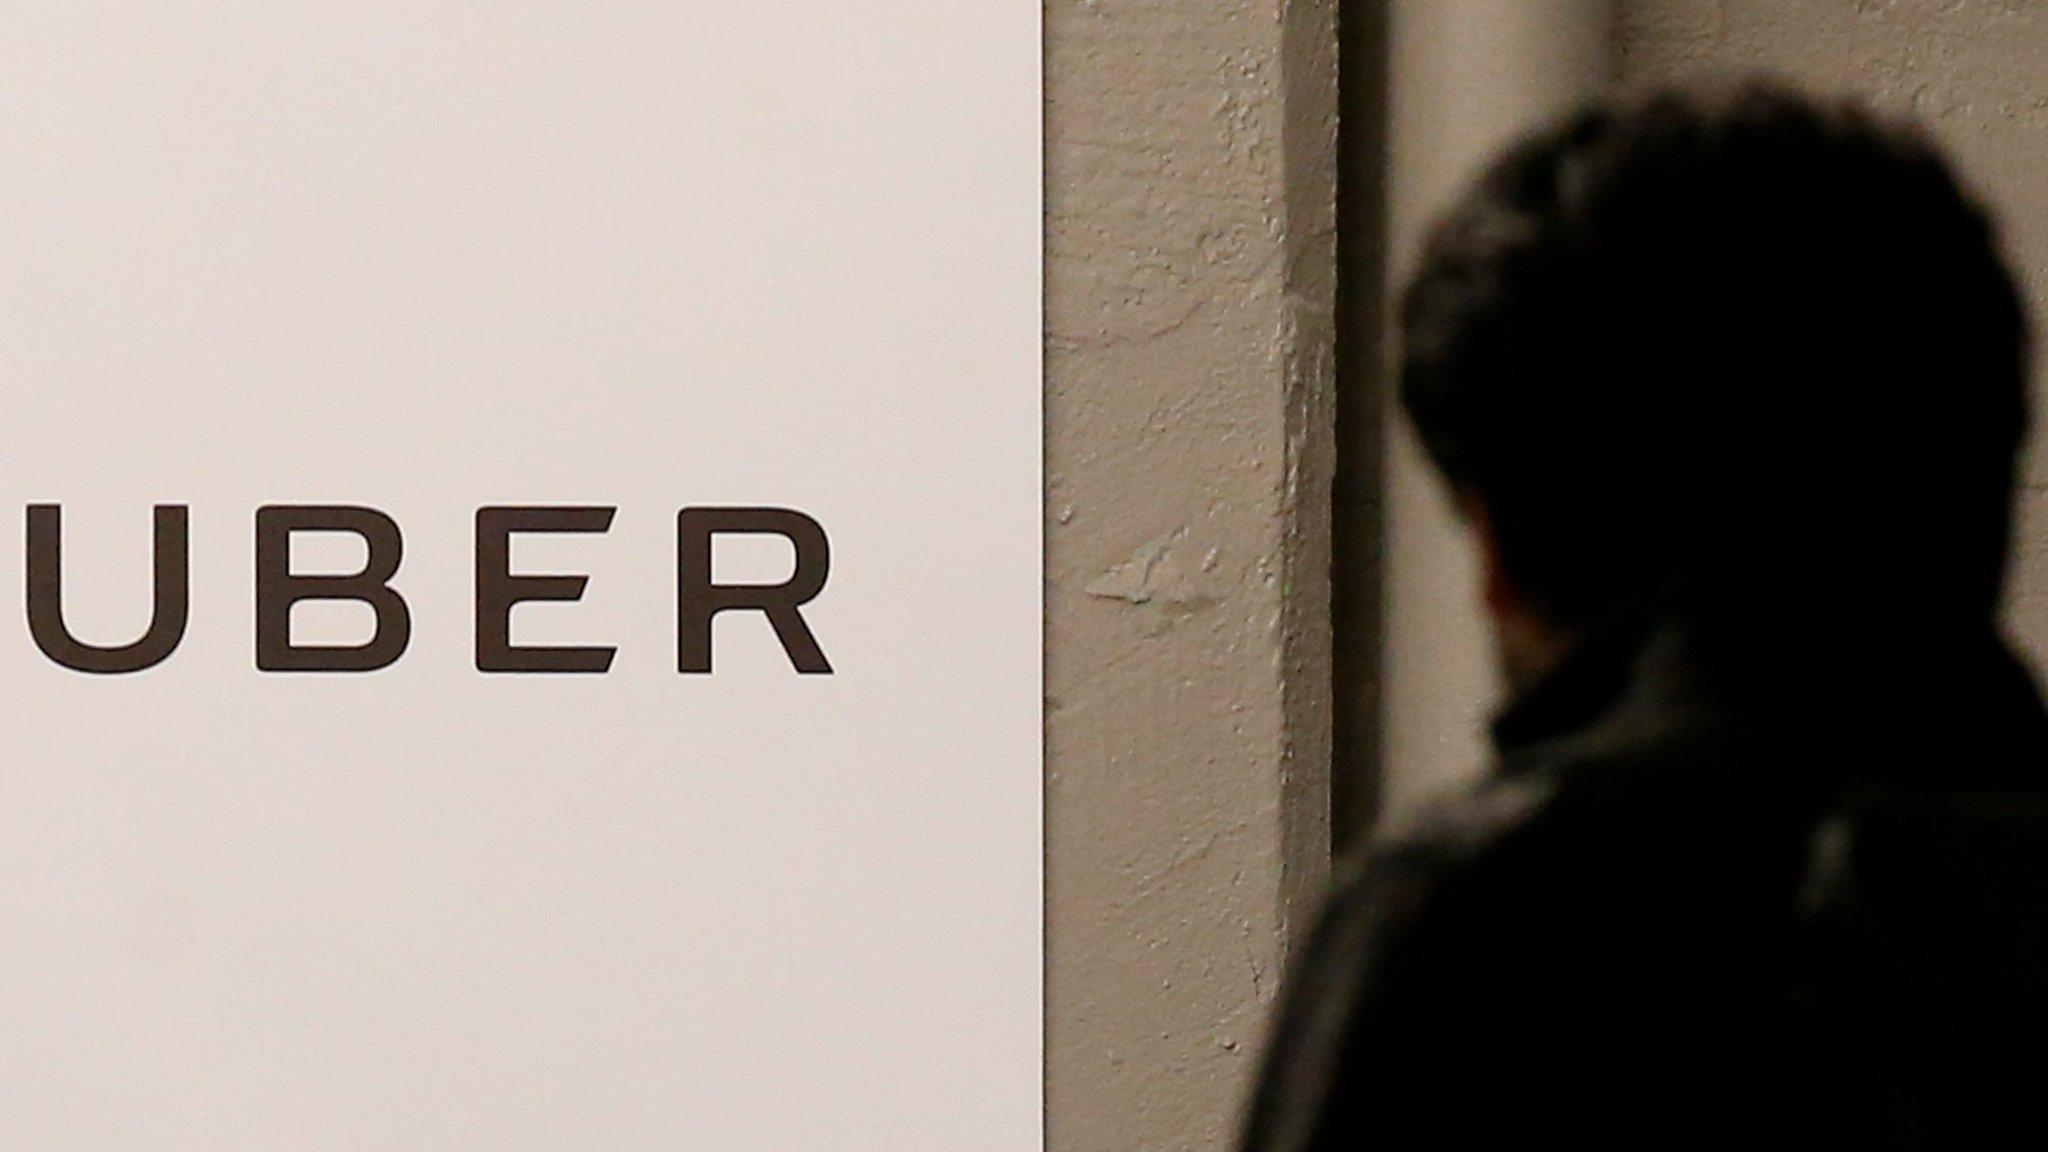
(1740,348)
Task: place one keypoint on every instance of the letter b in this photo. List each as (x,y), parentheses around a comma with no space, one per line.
(277,589)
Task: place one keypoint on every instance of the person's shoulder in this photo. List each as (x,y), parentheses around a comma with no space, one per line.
(1585,820)
(1449,832)
(1558,792)
(1366,988)
(1436,866)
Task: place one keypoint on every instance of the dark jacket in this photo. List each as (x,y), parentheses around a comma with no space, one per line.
(1716,894)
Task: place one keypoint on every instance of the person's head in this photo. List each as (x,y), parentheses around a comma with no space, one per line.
(1746,357)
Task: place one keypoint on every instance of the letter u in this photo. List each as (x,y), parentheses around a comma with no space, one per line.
(171,596)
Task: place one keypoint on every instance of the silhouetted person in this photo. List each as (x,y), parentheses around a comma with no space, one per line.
(1730,392)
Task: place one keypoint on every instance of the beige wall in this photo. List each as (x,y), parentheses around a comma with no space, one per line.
(1189,253)
(1973,71)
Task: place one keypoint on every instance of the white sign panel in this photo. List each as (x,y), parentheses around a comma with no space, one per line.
(525,553)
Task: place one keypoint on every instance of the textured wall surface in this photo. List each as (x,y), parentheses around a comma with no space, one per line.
(1189,265)
(1973,71)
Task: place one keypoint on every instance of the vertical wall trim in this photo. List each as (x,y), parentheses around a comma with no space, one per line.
(1309,94)
(1189,271)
